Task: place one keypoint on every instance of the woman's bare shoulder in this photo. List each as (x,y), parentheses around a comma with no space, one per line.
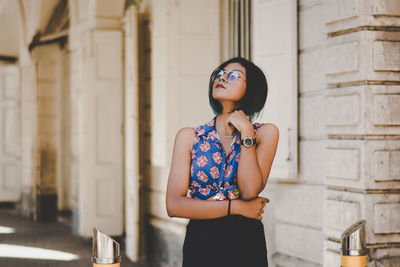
(269,126)
(186,132)
(185,136)
(268,129)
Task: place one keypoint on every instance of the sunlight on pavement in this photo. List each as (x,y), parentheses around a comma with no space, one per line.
(6,230)
(15,251)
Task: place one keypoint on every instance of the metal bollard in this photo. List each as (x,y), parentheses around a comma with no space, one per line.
(353,251)
(106,252)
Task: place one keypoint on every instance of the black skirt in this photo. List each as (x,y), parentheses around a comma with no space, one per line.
(234,241)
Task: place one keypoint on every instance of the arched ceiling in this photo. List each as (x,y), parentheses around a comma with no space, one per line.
(22,19)
(10,25)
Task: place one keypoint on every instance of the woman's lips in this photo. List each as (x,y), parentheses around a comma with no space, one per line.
(220,86)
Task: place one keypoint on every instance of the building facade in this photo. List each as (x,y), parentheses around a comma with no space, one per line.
(93,93)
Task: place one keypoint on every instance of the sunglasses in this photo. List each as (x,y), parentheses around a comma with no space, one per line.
(231,77)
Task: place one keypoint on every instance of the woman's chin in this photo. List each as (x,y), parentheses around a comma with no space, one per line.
(220,93)
(221,97)
(224,96)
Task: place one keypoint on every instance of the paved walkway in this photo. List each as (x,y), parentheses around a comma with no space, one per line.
(21,238)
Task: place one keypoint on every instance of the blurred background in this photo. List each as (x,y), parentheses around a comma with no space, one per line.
(93,92)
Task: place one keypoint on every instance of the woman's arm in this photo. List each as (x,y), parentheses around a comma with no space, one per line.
(255,162)
(178,205)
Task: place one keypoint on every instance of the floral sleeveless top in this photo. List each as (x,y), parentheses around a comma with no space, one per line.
(212,172)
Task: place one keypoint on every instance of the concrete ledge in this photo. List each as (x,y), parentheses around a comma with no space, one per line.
(286,260)
(164,248)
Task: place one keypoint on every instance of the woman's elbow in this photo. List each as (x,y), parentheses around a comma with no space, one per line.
(171,210)
(170,213)
(251,193)
(246,195)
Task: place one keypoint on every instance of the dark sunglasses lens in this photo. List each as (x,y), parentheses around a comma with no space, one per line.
(232,76)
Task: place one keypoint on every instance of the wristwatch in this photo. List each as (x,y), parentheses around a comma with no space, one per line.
(248,141)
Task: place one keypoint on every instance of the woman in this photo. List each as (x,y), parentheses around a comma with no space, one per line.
(226,230)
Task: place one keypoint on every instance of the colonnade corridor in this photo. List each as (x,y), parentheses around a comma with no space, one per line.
(26,243)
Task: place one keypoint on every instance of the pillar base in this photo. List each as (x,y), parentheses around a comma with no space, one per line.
(26,207)
(46,208)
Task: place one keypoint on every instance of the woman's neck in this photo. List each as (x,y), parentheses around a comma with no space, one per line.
(223,127)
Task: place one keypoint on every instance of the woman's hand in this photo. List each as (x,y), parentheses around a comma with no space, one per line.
(250,209)
(240,121)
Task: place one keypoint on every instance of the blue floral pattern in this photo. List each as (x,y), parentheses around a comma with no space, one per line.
(212,172)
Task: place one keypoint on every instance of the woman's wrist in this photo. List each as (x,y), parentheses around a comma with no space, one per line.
(235,207)
(247,134)
(247,131)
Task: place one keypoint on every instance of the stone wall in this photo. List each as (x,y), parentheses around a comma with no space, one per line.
(362,123)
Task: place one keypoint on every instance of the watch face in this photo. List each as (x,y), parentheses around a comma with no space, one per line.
(248,142)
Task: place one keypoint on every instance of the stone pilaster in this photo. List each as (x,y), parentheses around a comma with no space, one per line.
(96,115)
(362,101)
(28,128)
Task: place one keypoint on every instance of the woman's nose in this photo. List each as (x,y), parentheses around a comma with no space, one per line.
(223,77)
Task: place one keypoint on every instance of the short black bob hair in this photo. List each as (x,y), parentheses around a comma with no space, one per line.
(256,88)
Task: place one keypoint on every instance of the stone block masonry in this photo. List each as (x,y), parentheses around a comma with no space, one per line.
(362,119)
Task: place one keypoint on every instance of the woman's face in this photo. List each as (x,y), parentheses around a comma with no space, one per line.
(222,90)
